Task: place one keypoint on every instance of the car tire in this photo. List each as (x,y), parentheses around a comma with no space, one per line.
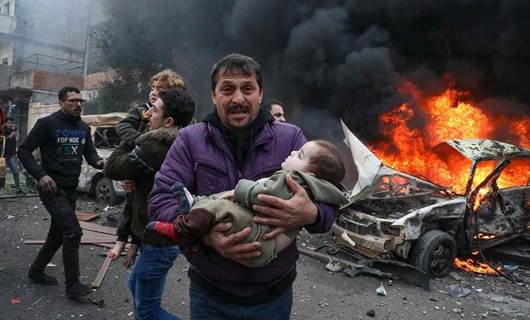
(105,193)
(434,253)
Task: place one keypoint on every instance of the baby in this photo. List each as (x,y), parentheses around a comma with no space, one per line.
(317,167)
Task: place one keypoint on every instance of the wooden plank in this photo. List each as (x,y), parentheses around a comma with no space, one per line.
(33,242)
(86,215)
(87,234)
(83,241)
(97,228)
(101,274)
(104,245)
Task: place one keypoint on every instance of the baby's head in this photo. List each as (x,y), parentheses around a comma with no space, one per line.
(318,157)
(165,80)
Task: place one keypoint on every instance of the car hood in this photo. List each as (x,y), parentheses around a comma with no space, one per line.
(369,168)
(103,120)
(482,150)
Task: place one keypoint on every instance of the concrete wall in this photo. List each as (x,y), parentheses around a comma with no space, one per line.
(6,52)
(44,97)
(55,28)
(5,73)
(22,80)
(37,111)
(45,80)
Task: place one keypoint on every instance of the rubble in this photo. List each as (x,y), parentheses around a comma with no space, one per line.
(458,291)
(381,290)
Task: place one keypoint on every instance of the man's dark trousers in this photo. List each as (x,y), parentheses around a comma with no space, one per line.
(64,230)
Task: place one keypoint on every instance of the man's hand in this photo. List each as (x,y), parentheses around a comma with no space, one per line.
(286,214)
(47,184)
(128,185)
(230,246)
(100,164)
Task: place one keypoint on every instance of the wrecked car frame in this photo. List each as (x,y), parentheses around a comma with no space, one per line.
(394,215)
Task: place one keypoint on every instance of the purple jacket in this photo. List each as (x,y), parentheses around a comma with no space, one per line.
(201,160)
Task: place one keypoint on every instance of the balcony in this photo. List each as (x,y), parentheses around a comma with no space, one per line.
(7,23)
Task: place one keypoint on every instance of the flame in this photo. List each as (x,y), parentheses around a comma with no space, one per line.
(478,199)
(411,149)
(471,265)
(484,236)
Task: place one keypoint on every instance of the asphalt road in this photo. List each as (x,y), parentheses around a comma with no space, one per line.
(318,293)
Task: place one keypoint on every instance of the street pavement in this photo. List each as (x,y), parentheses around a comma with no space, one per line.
(318,293)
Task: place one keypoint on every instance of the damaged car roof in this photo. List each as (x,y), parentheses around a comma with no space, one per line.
(481,149)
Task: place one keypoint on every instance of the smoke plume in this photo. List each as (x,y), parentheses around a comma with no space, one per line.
(346,59)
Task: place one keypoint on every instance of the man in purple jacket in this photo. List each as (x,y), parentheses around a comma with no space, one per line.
(238,140)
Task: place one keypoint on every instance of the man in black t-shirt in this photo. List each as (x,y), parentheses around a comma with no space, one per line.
(63,140)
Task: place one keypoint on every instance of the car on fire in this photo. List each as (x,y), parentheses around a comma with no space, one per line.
(394,215)
(91,180)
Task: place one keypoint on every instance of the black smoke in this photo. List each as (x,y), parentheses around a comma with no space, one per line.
(346,59)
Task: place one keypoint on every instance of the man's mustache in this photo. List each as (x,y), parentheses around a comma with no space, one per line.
(237,108)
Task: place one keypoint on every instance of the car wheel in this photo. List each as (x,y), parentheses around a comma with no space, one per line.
(434,253)
(105,192)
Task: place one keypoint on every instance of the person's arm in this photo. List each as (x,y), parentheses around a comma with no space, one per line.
(178,166)
(36,137)
(124,164)
(128,128)
(246,191)
(90,154)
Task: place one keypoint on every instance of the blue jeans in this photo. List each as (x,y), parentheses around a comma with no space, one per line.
(204,306)
(12,164)
(147,280)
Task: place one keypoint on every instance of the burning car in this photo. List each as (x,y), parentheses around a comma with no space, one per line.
(394,215)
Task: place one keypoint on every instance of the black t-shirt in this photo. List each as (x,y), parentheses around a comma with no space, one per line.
(11,143)
(63,141)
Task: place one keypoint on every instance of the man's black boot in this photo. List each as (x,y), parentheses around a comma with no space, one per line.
(77,290)
(41,278)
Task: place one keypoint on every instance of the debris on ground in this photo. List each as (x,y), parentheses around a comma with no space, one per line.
(381,290)
(334,266)
(86,215)
(458,291)
(456,276)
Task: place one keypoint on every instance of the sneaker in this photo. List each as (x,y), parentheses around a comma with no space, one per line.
(77,290)
(19,191)
(42,278)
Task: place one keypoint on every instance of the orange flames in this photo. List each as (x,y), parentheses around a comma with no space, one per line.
(411,149)
(483,236)
(471,265)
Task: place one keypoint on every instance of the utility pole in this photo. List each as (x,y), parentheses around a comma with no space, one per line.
(87,38)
